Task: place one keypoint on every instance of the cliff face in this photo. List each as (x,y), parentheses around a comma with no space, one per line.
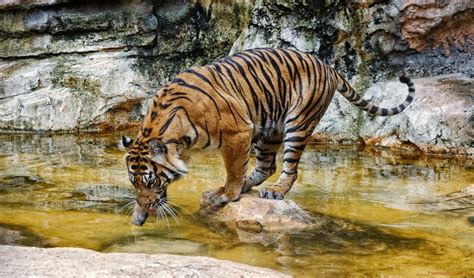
(92,65)
(67,64)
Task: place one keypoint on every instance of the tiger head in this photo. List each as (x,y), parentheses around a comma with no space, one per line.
(152,166)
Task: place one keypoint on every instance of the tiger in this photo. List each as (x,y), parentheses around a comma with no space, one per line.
(260,98)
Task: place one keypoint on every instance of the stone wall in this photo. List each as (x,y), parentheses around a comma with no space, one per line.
(91,65)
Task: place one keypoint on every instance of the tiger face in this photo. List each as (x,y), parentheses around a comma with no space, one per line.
(152,166)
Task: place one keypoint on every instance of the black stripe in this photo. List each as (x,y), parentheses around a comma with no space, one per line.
(168,122)
(373,109)
(291,160)
(146,132)
(295,139)
(290,151)
(208,143)
(288,173)
(183,83)
(220,139)
(409,98)
(164,106)
(180,97)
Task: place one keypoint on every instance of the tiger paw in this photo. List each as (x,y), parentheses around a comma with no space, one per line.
(270,193)
(214,200)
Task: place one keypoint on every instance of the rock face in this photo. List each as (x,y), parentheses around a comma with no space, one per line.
(67,65)
(26,261)
(369,40)
(440,119)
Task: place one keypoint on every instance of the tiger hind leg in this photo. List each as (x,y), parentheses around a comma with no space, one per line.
(293,149)
(265,151)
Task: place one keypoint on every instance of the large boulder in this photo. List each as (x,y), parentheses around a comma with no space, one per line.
(439,120)
(57,262)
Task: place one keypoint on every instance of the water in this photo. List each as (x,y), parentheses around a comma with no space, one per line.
(69,190)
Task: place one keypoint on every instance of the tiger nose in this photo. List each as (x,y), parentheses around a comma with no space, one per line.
(148,198)
(151,202)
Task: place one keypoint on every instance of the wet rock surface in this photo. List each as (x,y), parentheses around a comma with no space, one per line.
(21,261)
(253,214)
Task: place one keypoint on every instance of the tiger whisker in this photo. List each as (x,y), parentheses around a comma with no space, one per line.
(185,210)
(163,214)
(171,212)
(130,211)
(127,205)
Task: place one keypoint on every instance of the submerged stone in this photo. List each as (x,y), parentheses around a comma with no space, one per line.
(455,202)
(470,219)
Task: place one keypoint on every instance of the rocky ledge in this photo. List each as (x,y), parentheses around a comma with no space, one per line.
(26,261)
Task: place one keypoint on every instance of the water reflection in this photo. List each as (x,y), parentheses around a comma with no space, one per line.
(71,190)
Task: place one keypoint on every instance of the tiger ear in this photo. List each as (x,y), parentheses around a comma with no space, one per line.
(126,142)
(157,147)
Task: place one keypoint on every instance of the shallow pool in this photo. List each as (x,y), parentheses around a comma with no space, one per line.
(71,190)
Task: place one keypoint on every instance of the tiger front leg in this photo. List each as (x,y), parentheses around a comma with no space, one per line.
(235,153)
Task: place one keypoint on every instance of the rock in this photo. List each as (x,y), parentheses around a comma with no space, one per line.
(253,214)
(443,24)
(438,121)
(13,235)
(66,65)
(281,223)
(69,93)
(25,261)
(8,236)
(369,40)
